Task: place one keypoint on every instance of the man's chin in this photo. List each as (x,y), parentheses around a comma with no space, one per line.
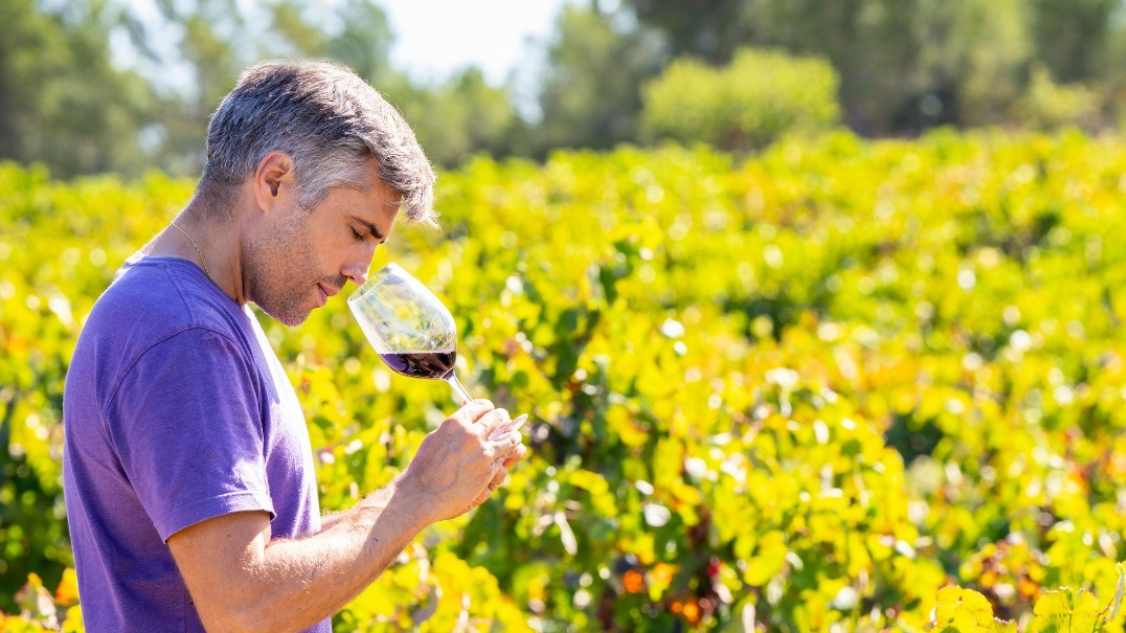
(288,318)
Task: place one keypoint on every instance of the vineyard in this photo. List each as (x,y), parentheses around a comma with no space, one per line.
(800,392)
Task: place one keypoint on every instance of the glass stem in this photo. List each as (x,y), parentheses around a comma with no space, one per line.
(460,390)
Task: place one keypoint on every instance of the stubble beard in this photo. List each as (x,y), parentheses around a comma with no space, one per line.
(280,272)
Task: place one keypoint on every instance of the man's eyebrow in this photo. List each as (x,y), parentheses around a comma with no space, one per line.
(373,229)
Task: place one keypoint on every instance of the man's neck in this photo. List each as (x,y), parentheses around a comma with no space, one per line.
(214,244)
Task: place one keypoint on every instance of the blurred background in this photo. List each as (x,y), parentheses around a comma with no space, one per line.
(91,86)
(817,306)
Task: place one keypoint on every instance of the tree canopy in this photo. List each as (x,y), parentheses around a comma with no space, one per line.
(102,85)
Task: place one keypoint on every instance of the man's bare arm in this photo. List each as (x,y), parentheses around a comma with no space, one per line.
(330,519)
(240,580)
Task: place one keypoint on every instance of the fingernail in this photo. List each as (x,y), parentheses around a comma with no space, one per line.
(519,422)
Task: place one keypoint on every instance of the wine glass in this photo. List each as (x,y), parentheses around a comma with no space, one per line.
(408,326)
(411,330)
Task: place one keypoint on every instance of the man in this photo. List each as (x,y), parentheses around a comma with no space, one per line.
(188,473)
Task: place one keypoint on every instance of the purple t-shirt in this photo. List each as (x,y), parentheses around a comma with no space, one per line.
(176,410)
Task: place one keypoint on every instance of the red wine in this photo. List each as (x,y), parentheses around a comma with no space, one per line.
(422,364)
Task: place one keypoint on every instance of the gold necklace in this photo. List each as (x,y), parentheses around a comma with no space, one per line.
(197,251)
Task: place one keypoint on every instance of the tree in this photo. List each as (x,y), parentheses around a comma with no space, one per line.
(746,105)
(458,118)
(219,38)
(904,64)
(709,29)
(1072,38)
(61,100)
(973,60)
(590,95)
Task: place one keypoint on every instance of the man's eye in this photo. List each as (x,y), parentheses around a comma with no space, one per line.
(357,235)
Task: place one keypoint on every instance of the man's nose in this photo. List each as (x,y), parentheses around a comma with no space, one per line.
(357,272)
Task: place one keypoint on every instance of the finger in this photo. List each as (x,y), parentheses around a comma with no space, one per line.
(515,455)
(498,479)
(513,425)
(501,446)
(473,411)
(493,420)
(482,497)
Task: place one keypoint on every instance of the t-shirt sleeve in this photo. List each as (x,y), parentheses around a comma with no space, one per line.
(188,429)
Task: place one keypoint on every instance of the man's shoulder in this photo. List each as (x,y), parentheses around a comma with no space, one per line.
(150,301)
(160,297)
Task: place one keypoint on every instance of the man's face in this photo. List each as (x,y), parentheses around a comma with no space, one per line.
(303,256)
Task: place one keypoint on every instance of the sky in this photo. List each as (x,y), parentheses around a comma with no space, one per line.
(434,38)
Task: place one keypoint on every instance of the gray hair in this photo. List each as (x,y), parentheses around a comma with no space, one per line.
(329,121)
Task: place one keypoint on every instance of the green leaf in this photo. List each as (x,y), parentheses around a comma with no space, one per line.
(1066,611)
(966,611)
(768,559)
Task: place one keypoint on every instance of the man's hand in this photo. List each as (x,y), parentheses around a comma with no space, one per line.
(459,464)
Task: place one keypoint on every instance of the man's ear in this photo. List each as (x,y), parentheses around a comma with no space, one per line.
(274,180)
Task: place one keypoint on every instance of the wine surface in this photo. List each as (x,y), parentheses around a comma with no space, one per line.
(422,364)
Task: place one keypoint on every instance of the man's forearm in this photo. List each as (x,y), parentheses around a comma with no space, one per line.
(242,581)
(330,519)
(317,576)
(289,585)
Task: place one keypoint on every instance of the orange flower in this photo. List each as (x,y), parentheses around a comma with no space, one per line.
(1027,588)
(692,611)
(632,581)
(67,593)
